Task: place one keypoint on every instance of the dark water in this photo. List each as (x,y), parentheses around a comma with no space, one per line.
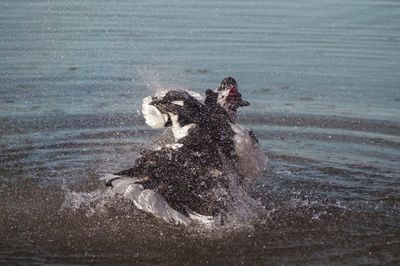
(323,79)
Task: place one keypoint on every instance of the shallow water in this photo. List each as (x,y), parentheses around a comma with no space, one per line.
(323,79)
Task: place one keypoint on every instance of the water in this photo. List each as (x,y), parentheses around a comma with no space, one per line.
(323,79)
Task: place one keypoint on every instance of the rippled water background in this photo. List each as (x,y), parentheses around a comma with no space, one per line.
(323,78)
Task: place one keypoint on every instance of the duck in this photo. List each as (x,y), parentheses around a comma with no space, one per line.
(187,180)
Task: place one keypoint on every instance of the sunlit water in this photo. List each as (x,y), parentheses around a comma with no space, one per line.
(323,81)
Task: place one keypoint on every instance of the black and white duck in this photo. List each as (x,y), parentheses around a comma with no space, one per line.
(190,179)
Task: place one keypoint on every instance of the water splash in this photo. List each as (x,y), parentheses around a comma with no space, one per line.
(93,202)
(157,80)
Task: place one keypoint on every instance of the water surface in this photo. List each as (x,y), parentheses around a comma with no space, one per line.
(323,81)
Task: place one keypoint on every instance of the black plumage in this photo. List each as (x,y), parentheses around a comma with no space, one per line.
(187,176)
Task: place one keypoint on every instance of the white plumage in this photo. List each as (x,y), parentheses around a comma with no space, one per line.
(149,201)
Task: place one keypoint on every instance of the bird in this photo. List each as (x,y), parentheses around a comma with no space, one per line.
(187,180)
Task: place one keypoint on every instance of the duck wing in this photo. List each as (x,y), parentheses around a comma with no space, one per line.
(175,108)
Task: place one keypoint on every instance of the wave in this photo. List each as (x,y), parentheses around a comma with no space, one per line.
(55,121)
